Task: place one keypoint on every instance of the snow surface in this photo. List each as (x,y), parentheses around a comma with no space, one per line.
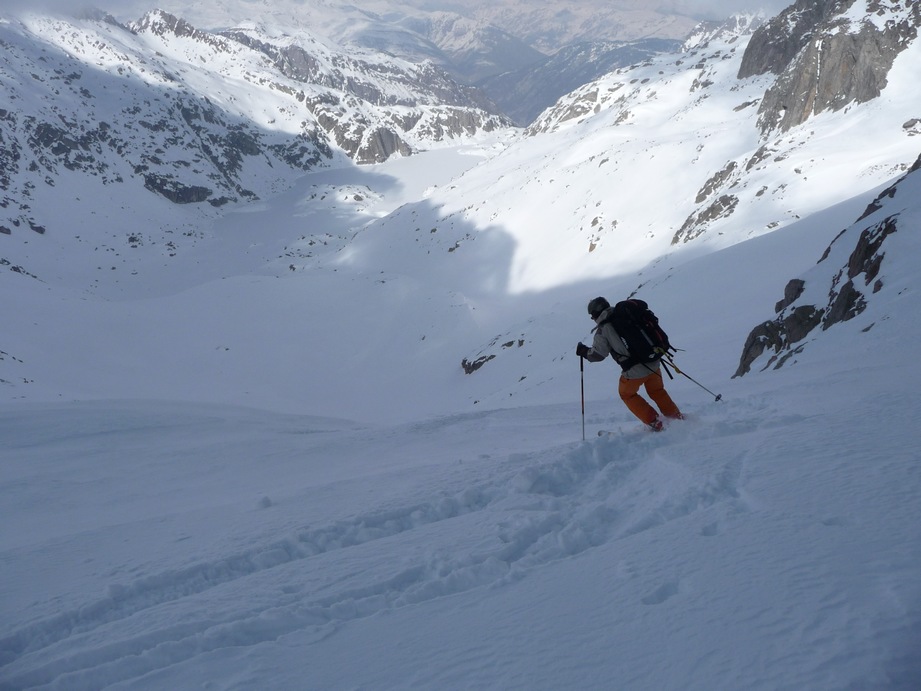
(223,472)
(768,542)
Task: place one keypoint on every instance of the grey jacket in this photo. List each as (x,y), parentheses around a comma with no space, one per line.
(607,342)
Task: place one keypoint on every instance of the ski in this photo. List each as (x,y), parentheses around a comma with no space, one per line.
(621,433)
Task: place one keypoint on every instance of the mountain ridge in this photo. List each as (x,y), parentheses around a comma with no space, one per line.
(225,147)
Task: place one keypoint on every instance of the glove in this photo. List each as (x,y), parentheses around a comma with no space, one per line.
(582,350)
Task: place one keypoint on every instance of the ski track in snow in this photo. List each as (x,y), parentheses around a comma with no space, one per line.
(551,506)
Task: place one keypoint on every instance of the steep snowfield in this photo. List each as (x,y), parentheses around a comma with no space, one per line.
(259,464)
(770,541)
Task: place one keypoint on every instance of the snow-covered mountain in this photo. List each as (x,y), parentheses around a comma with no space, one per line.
(522,55)
(214,117)
(472,40)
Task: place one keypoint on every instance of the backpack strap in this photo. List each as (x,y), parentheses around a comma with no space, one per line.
(625,361)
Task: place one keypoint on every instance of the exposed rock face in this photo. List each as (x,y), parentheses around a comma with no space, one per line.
(823,59)
(471,366)
(777,336)
(791,294)
(848,294)
(175,191)
(775,44)
(696,224)
(380,145)
(495,347)
(715,182)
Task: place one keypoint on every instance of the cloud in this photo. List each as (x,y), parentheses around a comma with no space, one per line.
(119,8)
(38,5)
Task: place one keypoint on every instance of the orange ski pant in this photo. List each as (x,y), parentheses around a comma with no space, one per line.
(655,387)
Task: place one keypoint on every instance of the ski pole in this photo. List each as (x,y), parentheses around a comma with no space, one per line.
(716,396)
(582,379)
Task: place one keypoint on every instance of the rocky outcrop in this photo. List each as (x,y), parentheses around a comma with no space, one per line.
(379,145)
(175,191)
(850,286)
(778,336)
(471,366)
(715,182)
(491,351)
(846,299)
(790,294)
(163,23)
(825,59)
(697,223)
(782,333)
(775,45)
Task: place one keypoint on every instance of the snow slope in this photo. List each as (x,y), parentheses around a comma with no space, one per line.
(768,542)
(259,464)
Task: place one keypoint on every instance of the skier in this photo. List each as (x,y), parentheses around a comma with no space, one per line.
(608,341)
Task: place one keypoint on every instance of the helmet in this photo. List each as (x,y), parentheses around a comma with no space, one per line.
(596,306)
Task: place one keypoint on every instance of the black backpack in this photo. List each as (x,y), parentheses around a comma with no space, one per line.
(640,332)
